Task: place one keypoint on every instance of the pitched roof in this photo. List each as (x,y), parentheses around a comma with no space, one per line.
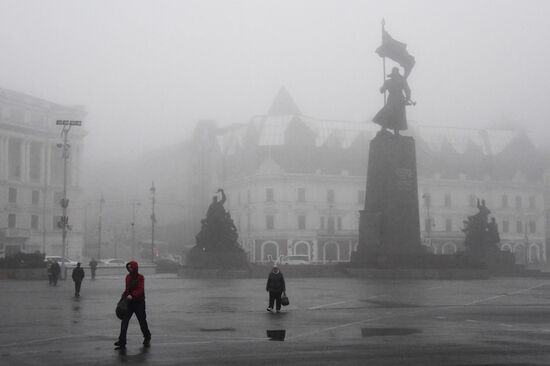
(283,104)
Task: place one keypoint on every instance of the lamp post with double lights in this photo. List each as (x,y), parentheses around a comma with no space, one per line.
(65,149)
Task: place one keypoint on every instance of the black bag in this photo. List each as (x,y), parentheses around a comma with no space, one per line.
(284,299)
(122,307)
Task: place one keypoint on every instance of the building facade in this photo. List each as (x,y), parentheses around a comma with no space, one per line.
(31,176)
(295,184)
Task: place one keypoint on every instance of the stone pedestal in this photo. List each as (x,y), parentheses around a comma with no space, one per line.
(389,229)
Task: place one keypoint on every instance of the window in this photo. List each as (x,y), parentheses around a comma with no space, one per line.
(448,225)
(35,199)
(57,222)
(12,195)
(330,196)
(472,200)
(57,197)
(322,223)
(427,225)
(504,201)
(330,225)
(361,197)
(505,226)
(269,194)
(301,222)
(301,194)
(11,220)
(518,202)
(519,227)
(339,223)
(269,222)
(532,227)
(447,200)
(532,203)
(34,222)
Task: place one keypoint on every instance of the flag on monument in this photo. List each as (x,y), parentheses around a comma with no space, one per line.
(396,51)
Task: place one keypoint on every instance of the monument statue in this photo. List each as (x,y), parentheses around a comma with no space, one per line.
(393,115)
(389,229)
(216,243)
(481,235)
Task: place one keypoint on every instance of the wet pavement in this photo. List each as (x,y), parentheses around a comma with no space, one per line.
(340,321)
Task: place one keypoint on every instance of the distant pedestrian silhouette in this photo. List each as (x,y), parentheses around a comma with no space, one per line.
(78,276)
(275,286)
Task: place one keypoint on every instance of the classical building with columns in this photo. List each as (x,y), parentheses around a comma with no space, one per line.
(31,175)
(295,184)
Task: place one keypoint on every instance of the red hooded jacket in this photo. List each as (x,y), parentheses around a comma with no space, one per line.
(135,282)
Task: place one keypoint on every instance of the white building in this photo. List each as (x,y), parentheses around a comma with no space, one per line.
(31,175)
(295,184)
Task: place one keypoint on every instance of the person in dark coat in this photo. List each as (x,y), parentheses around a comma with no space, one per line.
(55,270)
(78,276)
(135,293)
(393,115)
(93,267)
(275,286)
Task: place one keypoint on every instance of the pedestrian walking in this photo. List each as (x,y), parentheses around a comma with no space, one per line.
(78,276)
(93,267)
(49,269)
(276,287)
(55,270)
(135,294)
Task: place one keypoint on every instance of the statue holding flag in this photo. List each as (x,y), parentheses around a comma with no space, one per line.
(393,114)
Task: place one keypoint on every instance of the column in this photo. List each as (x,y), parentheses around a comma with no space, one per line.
(5,158)
(42,162)
(26,161)
(3,168)
(48,163)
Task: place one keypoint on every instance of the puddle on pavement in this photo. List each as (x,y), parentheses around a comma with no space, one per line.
(381,332)
(217,329)
(276,334)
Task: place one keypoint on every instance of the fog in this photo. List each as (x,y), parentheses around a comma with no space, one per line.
(146,71)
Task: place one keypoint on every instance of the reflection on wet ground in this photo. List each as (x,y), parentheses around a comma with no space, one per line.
(217,329)
(276,334)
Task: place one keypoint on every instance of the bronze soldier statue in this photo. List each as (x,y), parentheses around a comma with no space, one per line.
(393,115)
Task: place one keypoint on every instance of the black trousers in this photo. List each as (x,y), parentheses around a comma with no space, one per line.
(275,297)
(77,285)
(137,307)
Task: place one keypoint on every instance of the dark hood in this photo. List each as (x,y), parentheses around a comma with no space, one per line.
(132,267)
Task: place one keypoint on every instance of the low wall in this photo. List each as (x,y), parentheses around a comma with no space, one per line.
(23,274)
(145,269)
(338,271)
(420,274)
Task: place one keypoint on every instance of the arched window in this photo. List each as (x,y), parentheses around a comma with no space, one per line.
(331,252)
(270,251)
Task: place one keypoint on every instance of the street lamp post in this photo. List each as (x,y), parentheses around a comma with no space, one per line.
(134,228)
(65,202)
(99,223)
(153,221)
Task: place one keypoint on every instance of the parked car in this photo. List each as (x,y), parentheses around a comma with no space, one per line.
(295,259)
(112,262)
(69,263)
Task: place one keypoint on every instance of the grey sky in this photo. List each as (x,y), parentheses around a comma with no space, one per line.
(147,70)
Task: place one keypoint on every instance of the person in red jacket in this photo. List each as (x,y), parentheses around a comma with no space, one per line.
(135,293)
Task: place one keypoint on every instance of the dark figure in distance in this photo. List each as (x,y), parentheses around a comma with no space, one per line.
(55,270)
(135,293)
(93,267)
(393,115)
(78,276)
(276,286)
(492,232)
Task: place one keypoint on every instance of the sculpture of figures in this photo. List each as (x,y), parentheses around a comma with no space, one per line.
(393,115)
(493,237)
(216,212)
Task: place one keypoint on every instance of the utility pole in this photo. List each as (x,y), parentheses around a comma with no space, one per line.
(101,202)
(153,221)
(65,202)
(134,228)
